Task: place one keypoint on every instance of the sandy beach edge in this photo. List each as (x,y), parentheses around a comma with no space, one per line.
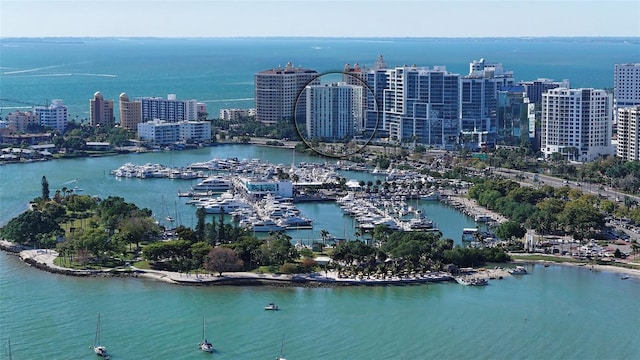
(43,259)
(598,267)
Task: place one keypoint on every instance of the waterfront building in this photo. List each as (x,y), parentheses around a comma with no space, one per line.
(334,111)
(170,109)
(130,113)
(279,93)
(159,132)
(195,130)
(420,105)
(236,114)
(258,188)
(479,102)
(629,133)
(22,121)
(162,132)
(376,80)
(55,116)
(576,123)
(101,111)
(626,86)
(534,89)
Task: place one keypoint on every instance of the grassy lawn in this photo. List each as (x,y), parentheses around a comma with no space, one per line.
(144,264)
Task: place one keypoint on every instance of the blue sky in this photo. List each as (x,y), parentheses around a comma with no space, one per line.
(345,18)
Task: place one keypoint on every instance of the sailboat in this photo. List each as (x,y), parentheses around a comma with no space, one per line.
(97,347)
(205,345)
(281,356)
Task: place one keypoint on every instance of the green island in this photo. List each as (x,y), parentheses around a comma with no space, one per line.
(93,236)
(111,236)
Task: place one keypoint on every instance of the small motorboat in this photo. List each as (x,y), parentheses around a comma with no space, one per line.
(271,306)
(624,277)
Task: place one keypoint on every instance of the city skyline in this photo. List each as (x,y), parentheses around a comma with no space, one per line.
(316,18)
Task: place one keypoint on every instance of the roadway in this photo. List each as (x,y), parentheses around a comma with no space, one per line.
(535,179)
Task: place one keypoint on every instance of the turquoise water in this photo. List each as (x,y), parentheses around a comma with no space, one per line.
(554,313)
(219,72)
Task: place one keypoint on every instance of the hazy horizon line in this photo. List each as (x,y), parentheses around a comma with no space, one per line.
(328,37)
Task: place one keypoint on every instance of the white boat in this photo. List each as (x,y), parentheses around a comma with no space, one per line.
(213,184)
(483,218)
(99,349)
(518,270)
(471,281)
(624,277)
(272,306)
(431,196)
(205,345)
(265,225)
(226,206)
(296,222)
(420,223)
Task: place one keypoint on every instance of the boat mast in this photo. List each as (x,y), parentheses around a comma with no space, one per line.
(282,347)
(203,325)
(96,342)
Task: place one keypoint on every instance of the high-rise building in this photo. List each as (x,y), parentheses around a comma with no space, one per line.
(376,79)
(279,93)
(479,102)
(626,86)
(334,111)
(576,123)
(534,89)
(170,109)
(629,133)
(512,115)
(409,103)
(101,111)
(22,121)
(417,104)
(130,113)
(54,116)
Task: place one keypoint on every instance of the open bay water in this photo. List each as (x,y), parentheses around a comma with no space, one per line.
(219,72)
(555,312)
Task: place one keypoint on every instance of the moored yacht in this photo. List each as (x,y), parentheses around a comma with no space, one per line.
(265,225)
(296,222)
(518,270)
(225,205)
(213,184)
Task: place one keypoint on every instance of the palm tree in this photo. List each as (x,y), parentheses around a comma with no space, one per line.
(324,234)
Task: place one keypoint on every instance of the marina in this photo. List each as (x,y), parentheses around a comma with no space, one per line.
(560,312)
(259,195)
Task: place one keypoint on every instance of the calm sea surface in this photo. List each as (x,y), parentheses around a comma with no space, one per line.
(554,313)
(219,72)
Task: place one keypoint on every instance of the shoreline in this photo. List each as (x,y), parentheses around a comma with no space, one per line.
(43,259)
(592,267)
